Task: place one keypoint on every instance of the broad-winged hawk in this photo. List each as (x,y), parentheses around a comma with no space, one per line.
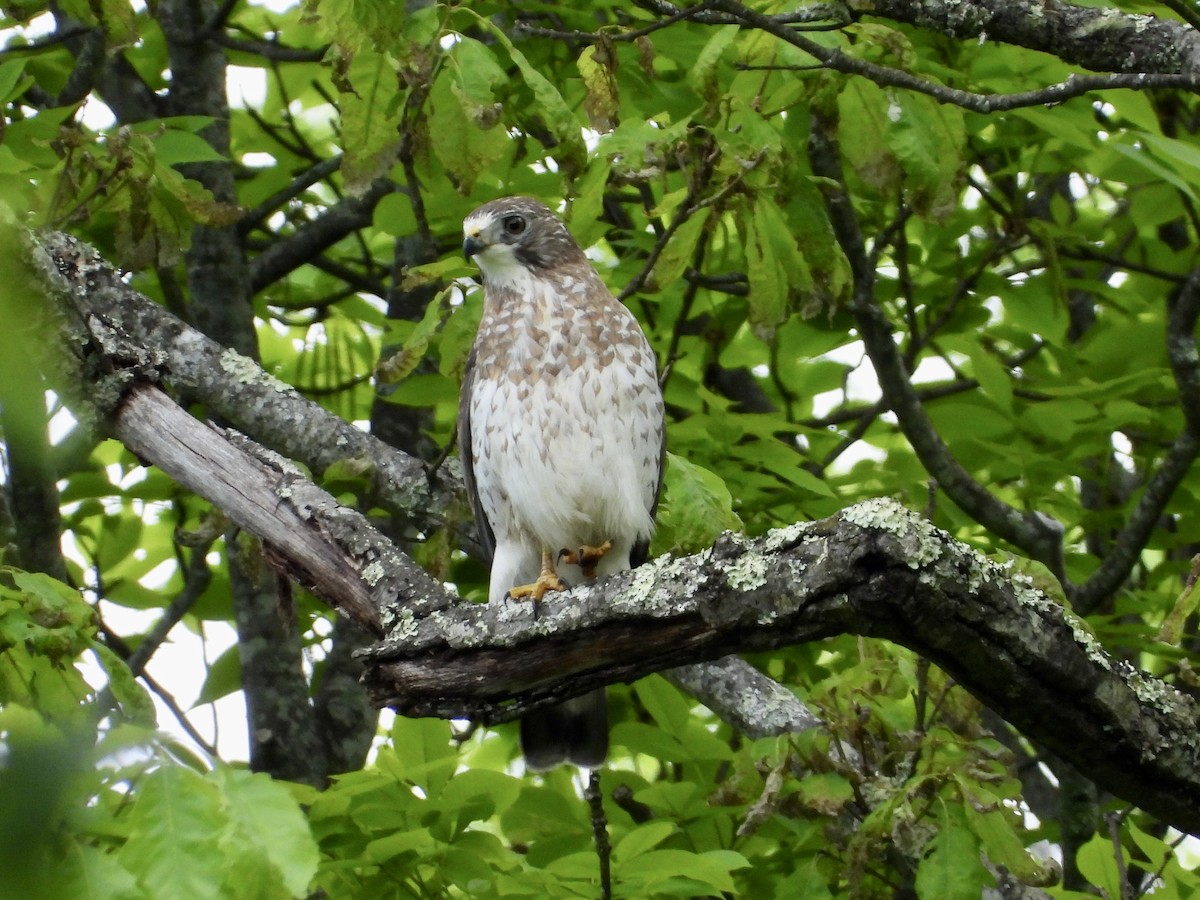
(560,433)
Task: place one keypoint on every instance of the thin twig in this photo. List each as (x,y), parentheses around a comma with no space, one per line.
(595,800)
(886,76)
(1036,535)
(196,582)
(1127,545)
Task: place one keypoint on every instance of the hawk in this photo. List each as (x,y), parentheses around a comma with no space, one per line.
(560,426)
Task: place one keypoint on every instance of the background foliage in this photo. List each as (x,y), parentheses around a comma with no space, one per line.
(1028,261)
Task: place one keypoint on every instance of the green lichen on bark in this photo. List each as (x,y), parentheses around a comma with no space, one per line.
(247,371)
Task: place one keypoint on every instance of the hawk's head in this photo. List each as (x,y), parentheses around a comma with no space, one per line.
(517,232)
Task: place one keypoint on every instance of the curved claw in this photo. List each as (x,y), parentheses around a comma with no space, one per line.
(546,581)
(586,557)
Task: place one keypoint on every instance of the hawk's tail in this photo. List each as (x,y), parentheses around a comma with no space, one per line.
(575,731)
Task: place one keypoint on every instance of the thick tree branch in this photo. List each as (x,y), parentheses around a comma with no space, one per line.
(206,461)
(877,570)
(874,570)
(1101,39)
(233,388)
(310,240)
(120,323)
(744,697)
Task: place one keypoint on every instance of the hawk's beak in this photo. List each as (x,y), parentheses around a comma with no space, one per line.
(473,245)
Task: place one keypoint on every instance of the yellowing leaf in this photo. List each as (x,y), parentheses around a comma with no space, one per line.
(598,66)
(775,267)
(369,138)
(459,141)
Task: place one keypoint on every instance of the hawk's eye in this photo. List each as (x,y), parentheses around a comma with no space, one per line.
(514,225)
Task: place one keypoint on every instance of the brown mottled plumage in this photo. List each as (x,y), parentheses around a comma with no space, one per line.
(560,431)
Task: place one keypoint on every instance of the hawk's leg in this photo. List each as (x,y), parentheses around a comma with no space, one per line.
(547,580)
(587,558)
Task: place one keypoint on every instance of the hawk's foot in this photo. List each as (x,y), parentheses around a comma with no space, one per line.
(536,590)
(587,558)
(546,581)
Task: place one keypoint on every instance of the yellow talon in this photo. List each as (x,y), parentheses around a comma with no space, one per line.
(546,581)
(587,558)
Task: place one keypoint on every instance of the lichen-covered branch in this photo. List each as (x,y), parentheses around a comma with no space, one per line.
(1101,39)
(235,389)
(876,570)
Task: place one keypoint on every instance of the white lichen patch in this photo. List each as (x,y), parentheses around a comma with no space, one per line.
(401,626)
(247,371)
(779,538)
(979,570)
(747,573)
(885,514)
(640,595)
(1028,595)
(372,572)
(1152,692)
(459,634)
(1110,18)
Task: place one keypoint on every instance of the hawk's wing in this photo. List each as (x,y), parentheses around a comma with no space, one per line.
(640,551)
(487,538)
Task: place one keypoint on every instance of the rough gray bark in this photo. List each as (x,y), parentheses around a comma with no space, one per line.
(218,275)
(234,389)
(876,570)
(1101,39)
(1104,40)
(29,483)
(283,734)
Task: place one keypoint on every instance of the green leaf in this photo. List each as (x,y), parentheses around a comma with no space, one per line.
(900,139)
(425,390)
(696,506)
(171,849)
(775,267)
(135,702)
(173,147)
(678,254)
(993,377)
(951,869)
(393,846)
(369,138)
(223,678)
(423,752)
(548,102)
(1154,168)
(643,838)
(89,873)
(1097,864)
(1001,835)
(703,76)
(12,84)
(269,822)
(463,142)
(670,709)
(656,867)
(394,215)
(478,79)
